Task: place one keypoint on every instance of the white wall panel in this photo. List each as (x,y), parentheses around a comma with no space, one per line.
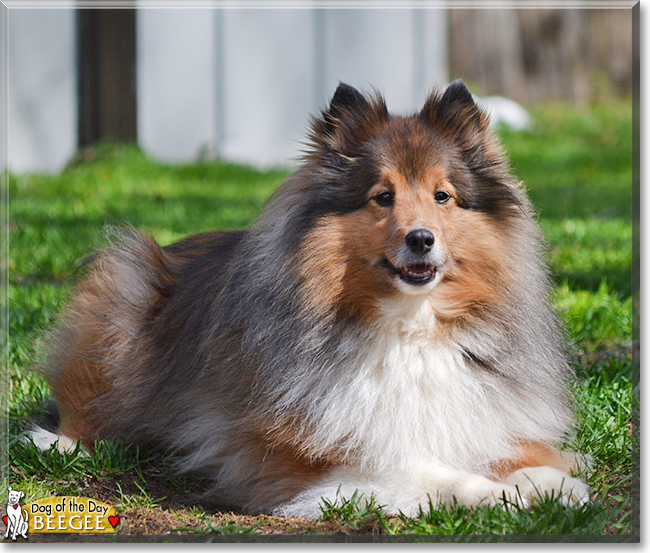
(42,90)
(176,83)
(250,100)
(372,48)
(268,75)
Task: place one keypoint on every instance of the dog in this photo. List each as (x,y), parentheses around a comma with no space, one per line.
(16,515)
(383,327)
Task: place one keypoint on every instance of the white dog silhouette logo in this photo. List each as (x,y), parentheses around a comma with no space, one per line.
(16,517)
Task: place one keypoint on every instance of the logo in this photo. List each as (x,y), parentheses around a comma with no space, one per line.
(16,517)
(71,515)
(58,515)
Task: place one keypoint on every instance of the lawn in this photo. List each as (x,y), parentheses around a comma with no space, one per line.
(577,167)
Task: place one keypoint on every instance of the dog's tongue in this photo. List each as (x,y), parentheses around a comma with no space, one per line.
(418,271)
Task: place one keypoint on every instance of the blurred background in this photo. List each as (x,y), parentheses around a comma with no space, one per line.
(198,84)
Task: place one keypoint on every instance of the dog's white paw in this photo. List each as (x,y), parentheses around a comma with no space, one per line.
(536,482)
(44,439)
(477,491)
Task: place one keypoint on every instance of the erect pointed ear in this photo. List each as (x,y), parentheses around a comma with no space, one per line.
(347,97)
(349,121)
(457,93)
(455,113)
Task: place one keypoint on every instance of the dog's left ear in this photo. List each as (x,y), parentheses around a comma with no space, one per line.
(455,114)
(22,494)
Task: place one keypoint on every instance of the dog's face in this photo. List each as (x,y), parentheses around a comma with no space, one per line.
(418,205)
(15,496)
(397,240)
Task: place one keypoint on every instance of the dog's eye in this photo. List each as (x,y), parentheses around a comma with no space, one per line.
(385,199)
(441,196)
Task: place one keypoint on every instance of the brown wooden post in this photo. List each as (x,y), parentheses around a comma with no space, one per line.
(107,77)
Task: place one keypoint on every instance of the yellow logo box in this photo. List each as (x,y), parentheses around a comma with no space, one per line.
(71,515)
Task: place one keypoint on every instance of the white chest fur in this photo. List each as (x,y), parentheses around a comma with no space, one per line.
(407,398)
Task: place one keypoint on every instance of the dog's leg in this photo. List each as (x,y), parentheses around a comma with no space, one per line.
(405,492)
(539,469)
(24,525)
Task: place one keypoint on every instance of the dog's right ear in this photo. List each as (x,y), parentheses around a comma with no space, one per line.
(349,121)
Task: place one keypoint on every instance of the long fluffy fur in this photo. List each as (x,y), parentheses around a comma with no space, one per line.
(280,368)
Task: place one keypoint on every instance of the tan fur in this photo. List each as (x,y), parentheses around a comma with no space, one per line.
(532,454)
(278,463)
(479,269)
(336,267)
(82,376)
(100,333)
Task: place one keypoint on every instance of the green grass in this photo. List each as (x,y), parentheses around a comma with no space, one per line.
(577,167)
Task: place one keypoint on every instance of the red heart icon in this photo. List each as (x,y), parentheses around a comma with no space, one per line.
(4,519)
(16,506)
(113,520)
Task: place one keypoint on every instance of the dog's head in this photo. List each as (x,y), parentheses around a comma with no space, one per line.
(15,496)
(410,205)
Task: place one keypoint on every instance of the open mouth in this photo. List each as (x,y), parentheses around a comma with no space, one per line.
(416,273)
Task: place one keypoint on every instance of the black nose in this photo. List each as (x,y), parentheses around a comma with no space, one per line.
(419,240)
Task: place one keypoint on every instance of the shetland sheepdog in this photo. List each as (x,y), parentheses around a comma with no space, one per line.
(383,328)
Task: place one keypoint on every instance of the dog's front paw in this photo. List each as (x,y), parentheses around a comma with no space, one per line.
(536,482)
(478,491)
